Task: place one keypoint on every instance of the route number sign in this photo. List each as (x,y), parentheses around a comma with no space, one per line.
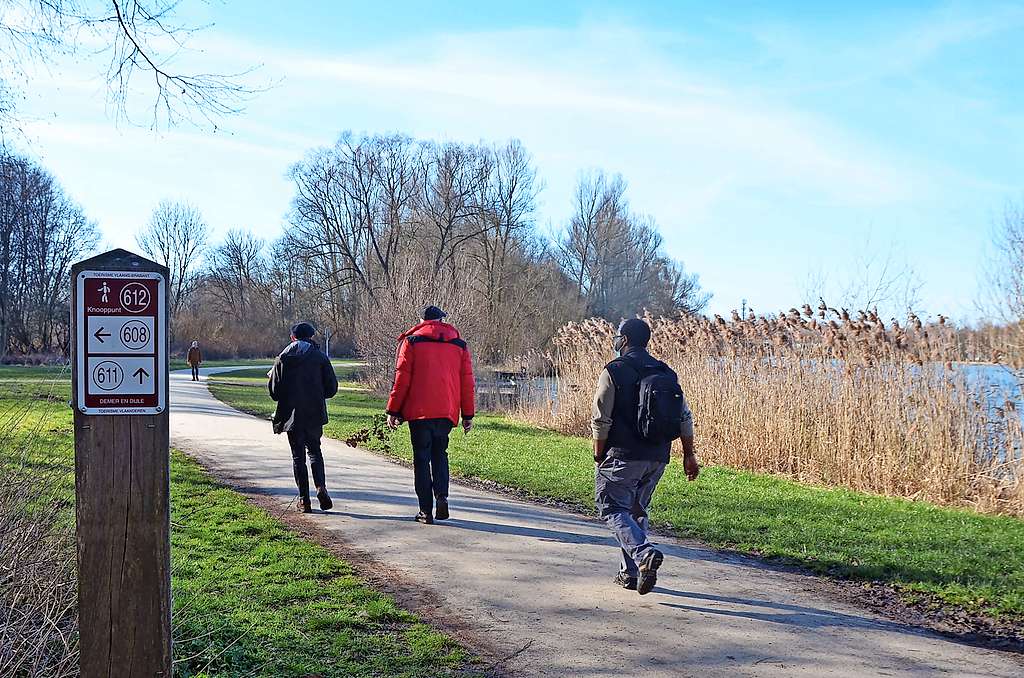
(121,342)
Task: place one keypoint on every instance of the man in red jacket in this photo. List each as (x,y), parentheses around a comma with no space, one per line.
(433,385)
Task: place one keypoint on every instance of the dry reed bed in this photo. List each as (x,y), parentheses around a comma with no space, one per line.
(824,397)
(38,586)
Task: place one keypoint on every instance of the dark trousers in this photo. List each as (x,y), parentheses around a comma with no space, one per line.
(430,460)
(306,441)
(195,373)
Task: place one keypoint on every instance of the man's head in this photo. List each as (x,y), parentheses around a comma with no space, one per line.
(632,333)
(303,332)
(433,313)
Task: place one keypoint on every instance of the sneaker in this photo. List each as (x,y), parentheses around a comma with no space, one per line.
(424,518)
(304,506)
(649,571)
(441,512)
(626,581)
(325,499)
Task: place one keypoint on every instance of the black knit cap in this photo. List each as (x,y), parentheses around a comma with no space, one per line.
(636,331)
(433,313)
(303,331)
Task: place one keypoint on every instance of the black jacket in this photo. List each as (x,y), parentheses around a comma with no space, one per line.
(301,381)
(624,442)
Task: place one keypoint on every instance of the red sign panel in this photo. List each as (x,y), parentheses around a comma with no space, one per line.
(121,342)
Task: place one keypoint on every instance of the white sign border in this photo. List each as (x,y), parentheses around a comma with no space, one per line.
(160,353)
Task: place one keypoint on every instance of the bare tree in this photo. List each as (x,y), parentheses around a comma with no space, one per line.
(42,232)
(598,200)
(1004,279)
(236,276)
(175,237)
(616,259)
(141,39)
(505,254)
(351,208)
(386,221)
(452,181)
(682,291)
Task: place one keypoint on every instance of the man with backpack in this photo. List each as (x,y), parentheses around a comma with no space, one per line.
(639,409)
(433,386)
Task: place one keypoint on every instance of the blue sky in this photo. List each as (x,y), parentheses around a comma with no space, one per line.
(772,145)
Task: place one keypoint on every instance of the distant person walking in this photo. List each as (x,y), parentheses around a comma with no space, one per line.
(195,359)
(301,381)
(639,410)
(433,386)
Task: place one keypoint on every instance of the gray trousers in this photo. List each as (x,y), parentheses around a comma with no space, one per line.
(622,492)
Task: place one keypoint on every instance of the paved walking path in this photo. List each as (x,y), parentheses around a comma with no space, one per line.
(537,578)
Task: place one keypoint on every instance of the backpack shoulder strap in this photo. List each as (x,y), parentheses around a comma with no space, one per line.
(629,363)
(420,339)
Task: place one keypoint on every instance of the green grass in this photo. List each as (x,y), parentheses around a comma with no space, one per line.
(289,606)
(347,371)
(182,364)
(251,598)
(10,373)
(962,558)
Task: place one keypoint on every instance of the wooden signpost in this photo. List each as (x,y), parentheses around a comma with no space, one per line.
(122,479)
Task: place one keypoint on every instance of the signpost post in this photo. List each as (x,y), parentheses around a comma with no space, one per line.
(119,395)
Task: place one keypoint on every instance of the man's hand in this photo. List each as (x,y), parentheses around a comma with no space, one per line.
(394,421)
(690,465)
(600,454)
(467,425)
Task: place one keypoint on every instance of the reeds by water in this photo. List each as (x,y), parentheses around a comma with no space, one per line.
(822,396)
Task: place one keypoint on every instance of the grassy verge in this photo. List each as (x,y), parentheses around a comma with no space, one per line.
(251,598)
(347,371)
(259,600)
(182,364)
(16,373)
(962,558)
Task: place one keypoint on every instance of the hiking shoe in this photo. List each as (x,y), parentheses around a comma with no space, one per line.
(325,499)
(626,581)
(304,505)
(441,512)
(649,571)
(424,518)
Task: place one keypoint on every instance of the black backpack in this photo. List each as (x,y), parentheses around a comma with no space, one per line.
(659,412)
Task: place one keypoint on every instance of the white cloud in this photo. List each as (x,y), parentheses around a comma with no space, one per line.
(608,82)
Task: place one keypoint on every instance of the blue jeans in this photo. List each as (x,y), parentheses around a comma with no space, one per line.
(622,492)
(430,460)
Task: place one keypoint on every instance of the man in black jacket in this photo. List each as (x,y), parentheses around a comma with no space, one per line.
(300,382)
(629,465)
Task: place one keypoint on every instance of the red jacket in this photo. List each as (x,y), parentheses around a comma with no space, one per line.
(433,375)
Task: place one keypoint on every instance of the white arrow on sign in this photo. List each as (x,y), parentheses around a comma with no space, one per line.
(121,334)
(121,375)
